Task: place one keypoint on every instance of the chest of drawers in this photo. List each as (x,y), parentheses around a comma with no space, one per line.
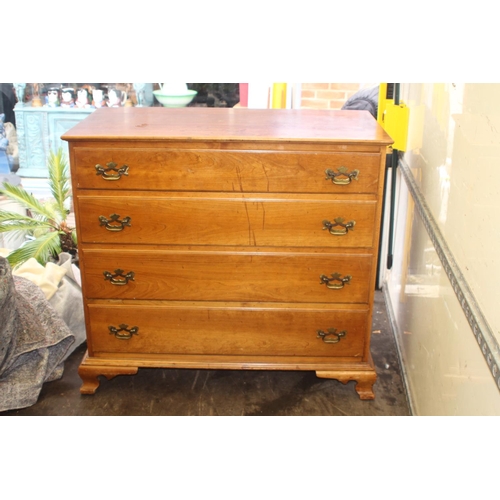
(228,239)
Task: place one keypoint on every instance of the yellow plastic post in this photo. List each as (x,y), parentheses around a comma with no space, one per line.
(382,102)
(393,118)
(396,124)
(279,96)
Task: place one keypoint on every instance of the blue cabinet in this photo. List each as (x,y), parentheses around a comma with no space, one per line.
(39,130)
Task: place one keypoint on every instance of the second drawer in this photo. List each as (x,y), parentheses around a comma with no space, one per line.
(257,220)
(227,276)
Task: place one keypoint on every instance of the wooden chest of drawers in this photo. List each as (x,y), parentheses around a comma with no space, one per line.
(228,239)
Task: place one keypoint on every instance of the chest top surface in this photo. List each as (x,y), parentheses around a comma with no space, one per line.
(229,124)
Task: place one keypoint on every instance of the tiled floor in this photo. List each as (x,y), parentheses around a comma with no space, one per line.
(220,392)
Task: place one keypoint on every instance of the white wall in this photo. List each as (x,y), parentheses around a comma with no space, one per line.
(454,160)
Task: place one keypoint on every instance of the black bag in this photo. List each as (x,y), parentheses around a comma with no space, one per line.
(364,99)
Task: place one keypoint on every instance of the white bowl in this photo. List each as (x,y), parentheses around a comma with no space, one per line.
(175,101)
(174,88)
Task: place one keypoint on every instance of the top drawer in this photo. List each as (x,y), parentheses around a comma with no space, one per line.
(226,171)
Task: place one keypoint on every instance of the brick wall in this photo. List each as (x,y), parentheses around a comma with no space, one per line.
(329,95)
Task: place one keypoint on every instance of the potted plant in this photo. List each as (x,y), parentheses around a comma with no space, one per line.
(45,225)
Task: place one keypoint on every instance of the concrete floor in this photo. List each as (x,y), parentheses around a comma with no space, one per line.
(221,392)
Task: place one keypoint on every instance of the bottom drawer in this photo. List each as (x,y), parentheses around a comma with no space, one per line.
(227,329)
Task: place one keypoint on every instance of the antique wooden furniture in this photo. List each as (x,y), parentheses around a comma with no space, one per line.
(228,239)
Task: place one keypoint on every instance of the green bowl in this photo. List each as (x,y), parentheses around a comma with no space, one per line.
(175,101)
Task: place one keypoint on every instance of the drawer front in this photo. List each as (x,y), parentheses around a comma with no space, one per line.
(221,276)
(226,330)
(256,221)
(230,171)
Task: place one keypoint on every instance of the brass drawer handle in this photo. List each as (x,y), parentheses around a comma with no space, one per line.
(342,177)
(336,282)
(111,167)
(119,278)
(114,223)
(339,221)
(336,336)
(117,332)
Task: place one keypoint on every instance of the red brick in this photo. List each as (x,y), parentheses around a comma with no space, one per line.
(308,94)
(314,103)
(345,86)
(313,86)
(331,94)
(336,104)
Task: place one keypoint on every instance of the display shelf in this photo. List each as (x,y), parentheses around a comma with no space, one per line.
(39,130)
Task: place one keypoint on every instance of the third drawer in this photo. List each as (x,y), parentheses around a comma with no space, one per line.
(227,276)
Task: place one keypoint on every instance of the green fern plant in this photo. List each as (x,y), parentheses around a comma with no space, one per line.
(45,225)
